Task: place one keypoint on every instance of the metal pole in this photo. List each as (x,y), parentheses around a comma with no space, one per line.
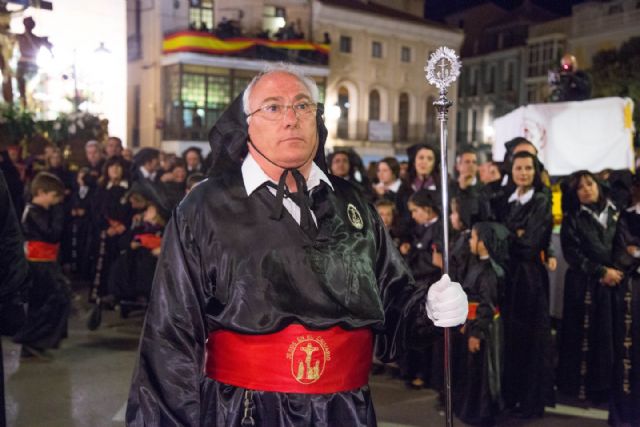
(442,69)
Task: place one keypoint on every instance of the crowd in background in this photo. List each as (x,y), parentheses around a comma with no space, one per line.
(102,225)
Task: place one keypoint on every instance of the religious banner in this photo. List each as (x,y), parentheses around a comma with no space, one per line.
(596,134)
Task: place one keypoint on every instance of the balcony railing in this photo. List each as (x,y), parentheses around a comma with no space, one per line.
(296,51)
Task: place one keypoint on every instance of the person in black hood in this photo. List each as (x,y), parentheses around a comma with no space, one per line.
(592,291)
(272,280)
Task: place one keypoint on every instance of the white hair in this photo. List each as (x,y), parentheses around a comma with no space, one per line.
(280,67)
(92,143)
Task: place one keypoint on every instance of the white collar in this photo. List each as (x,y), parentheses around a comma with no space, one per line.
(431,222)
(603,217)
(395,186)
(122,183)
(522,199)
(253,176)
(146,174)
(635,208)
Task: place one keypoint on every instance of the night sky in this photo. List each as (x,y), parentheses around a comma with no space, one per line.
(437,9)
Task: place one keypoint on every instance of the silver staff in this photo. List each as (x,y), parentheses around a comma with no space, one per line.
(443,68)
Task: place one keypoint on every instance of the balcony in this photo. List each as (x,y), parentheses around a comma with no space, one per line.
(301,52)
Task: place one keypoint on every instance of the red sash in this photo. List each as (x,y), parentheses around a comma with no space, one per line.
(294,360)
(149,241)
(36,251)
(473,311)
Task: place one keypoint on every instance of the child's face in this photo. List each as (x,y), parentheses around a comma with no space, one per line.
(150,214)
(49,198)
(179,174)
(421,215)
(473,242)
(115,172)
(386,214)
(455,220)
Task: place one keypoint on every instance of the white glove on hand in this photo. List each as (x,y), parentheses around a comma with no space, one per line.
(447,304)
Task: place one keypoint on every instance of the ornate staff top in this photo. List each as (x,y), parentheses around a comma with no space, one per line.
(443,68)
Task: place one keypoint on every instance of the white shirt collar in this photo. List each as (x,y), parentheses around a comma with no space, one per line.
(146,174)
(123,184)
(522,199)
(395,186)
(635,208)
(603,217)
(431,222)
(253,176)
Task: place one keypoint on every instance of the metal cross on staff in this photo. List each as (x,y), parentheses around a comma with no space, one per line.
(442,69)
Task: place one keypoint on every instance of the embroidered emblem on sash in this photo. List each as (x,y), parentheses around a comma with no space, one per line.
(354,217)
(309,356)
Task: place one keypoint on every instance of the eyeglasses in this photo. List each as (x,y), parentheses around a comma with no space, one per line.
(276,112)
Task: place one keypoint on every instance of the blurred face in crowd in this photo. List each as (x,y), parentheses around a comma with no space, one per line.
(425,160)
(127,154)
(150,214)
(456,223)
(152,165)
(179,174)
(386,214)
(55,159)
(523,172)
(467,164)
(421,215)
(588,191)
(385,174)
(113,147)
(488,172)
(94,155)
(476,246)
(14,155)
(290,140)
(115,172)
(192,159)
(340,165)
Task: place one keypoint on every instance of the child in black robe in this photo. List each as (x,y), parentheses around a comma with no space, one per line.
(49,297)
(477,390)
(80,226)
(624,402)
(422,365)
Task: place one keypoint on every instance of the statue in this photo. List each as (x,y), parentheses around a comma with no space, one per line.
(29,45)
(6,50)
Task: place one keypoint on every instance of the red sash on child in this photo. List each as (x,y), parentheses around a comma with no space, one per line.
(36,251)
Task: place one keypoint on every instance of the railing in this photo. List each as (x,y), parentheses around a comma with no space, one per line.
(296,51)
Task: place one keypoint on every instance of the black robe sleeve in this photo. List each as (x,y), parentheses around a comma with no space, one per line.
(487,300)
(573,248)
(537,229)
(166,386)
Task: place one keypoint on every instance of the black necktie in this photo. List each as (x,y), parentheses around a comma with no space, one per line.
(300,198)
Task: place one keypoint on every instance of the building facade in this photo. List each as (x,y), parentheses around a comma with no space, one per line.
(188,60)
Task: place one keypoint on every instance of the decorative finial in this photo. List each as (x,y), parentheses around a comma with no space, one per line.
(443,68)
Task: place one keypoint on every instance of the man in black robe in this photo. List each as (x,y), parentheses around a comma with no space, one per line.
(272,280)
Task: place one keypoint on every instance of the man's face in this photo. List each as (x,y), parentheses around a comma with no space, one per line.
(192,159)
(291,140)
(152,165)
(467,164)
(93,154)
(113,147)
(340,165)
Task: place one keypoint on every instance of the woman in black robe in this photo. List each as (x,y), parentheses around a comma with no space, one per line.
(624,404)
(528,380)
(591,289)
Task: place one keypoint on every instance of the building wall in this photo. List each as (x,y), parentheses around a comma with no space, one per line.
(360,73)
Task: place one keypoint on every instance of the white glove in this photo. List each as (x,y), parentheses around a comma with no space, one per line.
(447,303)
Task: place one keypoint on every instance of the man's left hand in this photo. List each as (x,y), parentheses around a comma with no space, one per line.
(447,304)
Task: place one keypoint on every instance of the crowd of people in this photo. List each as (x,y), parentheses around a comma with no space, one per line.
(103,224)
(505,355)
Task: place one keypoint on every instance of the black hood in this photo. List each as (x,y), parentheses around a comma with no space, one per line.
(495,237)
(228,139)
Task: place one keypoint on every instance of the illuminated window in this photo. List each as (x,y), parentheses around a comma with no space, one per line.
(201,15)
(343,122)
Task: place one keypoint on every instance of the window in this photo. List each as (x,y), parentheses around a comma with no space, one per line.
(491,79)
(374,105)
(403,117)
(510,75)
(474,125)
(475,76)
(135,137)
(405,54)
(376,49)
(343,121)
(345,44)
(201,15)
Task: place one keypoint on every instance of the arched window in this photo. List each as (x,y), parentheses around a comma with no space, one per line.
(374,105)
(403,117)
(343,121)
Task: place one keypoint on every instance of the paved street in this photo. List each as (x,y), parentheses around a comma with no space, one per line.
(87,385)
